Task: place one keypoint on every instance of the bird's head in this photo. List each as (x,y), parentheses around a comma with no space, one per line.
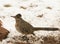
(17,16)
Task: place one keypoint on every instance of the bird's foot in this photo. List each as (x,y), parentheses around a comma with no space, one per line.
(25,38)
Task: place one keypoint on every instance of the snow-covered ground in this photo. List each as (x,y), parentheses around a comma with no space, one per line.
(30,10)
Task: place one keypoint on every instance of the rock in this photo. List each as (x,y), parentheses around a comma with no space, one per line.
(3,32)
(50,40)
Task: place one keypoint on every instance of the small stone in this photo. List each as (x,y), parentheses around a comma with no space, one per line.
(23,7)
(48,7)
(40,15)
(7,5)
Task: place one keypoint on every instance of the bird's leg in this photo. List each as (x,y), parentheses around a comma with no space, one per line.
(25,38)
(33,34)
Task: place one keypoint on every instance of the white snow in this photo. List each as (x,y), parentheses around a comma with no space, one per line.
(51,17)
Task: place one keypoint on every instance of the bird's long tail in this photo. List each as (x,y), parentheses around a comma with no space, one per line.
(46,29)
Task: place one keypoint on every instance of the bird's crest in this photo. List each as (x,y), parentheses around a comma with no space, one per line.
(18,15)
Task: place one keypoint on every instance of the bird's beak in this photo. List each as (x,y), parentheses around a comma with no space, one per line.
(13,16)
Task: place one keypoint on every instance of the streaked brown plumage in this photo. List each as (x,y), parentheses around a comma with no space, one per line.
(25,28)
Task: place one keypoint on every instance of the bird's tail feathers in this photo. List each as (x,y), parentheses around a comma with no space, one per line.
(46,29)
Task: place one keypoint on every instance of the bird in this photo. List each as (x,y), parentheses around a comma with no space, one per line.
(26,28)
